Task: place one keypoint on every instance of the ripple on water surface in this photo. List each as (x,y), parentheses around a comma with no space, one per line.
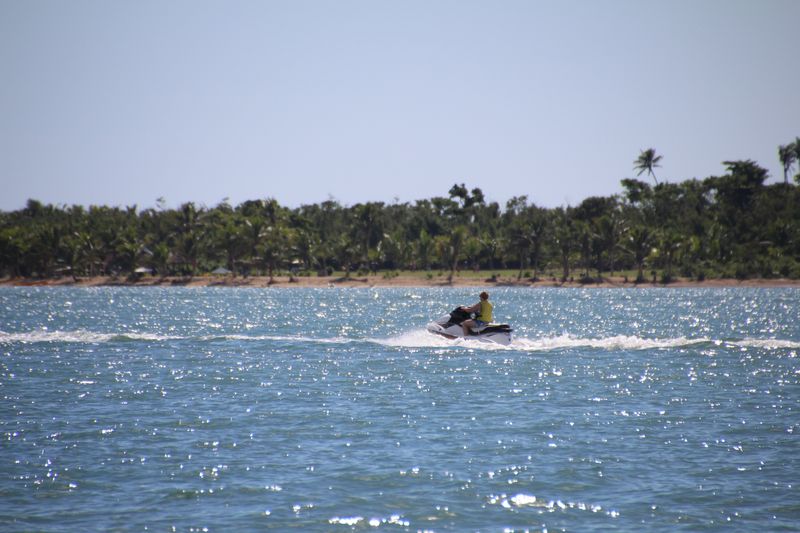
(317,409)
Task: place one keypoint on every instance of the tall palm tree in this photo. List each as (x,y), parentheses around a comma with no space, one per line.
(787,155)
(796,149)
(647,160)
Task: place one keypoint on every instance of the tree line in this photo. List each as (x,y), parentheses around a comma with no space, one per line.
(729,226)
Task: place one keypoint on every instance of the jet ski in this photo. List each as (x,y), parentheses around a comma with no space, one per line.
(449,326)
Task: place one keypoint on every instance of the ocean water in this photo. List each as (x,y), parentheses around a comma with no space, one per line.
(222,409)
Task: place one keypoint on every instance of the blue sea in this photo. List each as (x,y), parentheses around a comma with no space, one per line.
(305,409)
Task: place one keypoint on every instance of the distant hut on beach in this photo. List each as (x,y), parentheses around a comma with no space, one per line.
(221,271)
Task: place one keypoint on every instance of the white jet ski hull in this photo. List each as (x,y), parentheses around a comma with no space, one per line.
(454,331)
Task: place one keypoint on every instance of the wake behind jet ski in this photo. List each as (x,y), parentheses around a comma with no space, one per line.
(449,326)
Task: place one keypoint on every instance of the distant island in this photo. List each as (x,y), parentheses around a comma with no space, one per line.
(729,227)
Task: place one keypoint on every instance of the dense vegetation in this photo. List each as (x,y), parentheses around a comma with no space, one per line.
(723,226)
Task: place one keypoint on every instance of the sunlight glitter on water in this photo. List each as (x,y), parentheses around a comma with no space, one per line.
(611,410)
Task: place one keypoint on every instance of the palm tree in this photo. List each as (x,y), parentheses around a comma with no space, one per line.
(160,259)
(519,242)
(607,230)
(457,239)
(391,250)
(275,250)
(489,248)
(424,249)
(189,235)
(787,155)
(584,242)
(796,149)
(670,244)
(228,240)
(639,242)
(564,237)
(472,252)
(346,253)
(14,248)
(647,160)
(367,226)
(307,247)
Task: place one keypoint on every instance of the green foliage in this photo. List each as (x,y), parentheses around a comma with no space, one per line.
(723,226)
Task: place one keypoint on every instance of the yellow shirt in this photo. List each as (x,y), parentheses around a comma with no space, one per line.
(486,312)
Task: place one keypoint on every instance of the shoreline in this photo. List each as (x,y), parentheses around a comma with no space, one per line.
(378,281)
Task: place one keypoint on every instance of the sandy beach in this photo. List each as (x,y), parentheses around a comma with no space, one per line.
(378,280)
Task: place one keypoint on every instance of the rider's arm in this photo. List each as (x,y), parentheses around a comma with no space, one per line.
(473,309)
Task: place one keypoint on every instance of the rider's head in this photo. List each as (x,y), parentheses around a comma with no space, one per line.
(484,295)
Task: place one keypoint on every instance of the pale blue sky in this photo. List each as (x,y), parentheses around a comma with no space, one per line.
(120,103)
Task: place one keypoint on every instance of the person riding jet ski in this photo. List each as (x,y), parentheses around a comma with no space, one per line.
(450,325)
(484,314)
